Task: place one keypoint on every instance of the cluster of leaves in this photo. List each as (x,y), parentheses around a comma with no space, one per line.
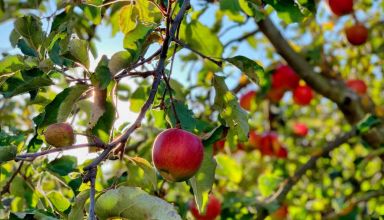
(50,80)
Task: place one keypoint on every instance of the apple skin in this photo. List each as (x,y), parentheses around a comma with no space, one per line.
(269,144)
(300,129)
(285,78)
(254,139)
(247,99)
(275,95)
(59,135)
(280,213)
(177,154)
(341,7)
(357,85)
(302,95)
(218,146)
(213,209)
(357,34)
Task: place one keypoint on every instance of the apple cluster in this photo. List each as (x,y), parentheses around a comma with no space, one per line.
(356,34)
(283,79)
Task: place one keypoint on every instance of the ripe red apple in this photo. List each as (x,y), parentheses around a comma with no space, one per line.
(177,154)
(341,7)
(282,153)
(254,139)
(269,144)
(213,209)
(275,95)
(218,146)
(285,78)
(357,34)
(247,100)
(59,135)
(280,213)
(300,129)
(302,95)
(358,86)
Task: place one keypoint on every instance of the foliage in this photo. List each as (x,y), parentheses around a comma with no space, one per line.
(117,102)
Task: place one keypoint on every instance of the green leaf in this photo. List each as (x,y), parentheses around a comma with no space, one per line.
(249,67)
(368,123)
(250,8)
(187,121)
(201,38)
(63,165)
(142,12)
(136,41)
(92,13)
(77,210)
(12,64)
(102,76)
(104,114)
(77,51)
(61,106)
(30,28)
(229,168)
(267,184)
(26,49)
(138,98)
(58,201)
(232,8)
(149,172)
(7,153)
(287,10)
(120,61)
(230,110)
(215,135)
(23,82)
(203,180)
(32,214)
(133,203)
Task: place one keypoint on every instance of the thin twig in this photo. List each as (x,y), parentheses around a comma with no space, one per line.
(179,42)
(241,38)
(157,78)
(288,184)
(8,184)
(354,201)
(32,156)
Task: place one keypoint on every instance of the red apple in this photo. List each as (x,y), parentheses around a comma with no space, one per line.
(282,153)
(341,7)
(302,95)
(269,144)
(218,146)
(358,86)
(285,78)
(247,100)
(254,139)
(280,213)
(357,34)
(59,135)
(177,154)
(275,95)
(300,129)
(213,209)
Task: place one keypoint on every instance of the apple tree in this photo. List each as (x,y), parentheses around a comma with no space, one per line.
(207,109)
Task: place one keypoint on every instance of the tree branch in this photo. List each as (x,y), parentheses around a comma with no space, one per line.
(347,100)
(8,184)
(353,202)
(179,42)
(90,174)
(241,38)
(288,184)
(32,156)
